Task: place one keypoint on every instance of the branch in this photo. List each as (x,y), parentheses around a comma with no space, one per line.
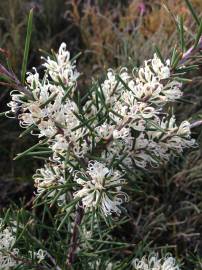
(73,241)
(196,124)
(190,52)
(14,82)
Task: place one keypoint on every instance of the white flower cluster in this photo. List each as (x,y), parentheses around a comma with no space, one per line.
(152,262)
(139,130)
(62,69)
(7,252)
(9,256)
(52,110)
(125,120)
(101,188)
(51,176)
(151,85)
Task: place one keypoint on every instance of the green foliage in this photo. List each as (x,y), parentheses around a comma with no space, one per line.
(27,46)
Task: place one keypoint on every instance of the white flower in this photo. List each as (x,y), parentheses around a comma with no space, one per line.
(138,124)
(48,176)
(32,115)
(7,260)
(177,144)
(62,69)
(149,91)
(101,188)
(53,116)
(124,133)
(35,111)
(154,84)
(15,104)
(47,128)
(7,252)
(174,138)
(172,90)
(109,86)
(33,80)
(49,179)
(60,144)
(7,239)
(112,87)
(154,68)
(104,130)
(181,138)
(134,109)
(184,129)
(152,262)
(39,255)
(140,156)
(161,70)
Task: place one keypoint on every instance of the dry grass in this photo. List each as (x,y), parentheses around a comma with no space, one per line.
(118,34)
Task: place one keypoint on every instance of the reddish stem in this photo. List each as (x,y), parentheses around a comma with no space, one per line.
(73,241)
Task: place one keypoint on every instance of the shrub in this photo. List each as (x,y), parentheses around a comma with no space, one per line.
(100,148)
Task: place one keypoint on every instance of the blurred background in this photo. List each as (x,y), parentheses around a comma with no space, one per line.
(110,34)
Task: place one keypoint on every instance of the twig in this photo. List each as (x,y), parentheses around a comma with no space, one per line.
(190,52)
(14,82)
(196,124)
(53,261)
(73,241)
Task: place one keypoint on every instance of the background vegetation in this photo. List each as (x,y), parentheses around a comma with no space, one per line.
(167,208)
